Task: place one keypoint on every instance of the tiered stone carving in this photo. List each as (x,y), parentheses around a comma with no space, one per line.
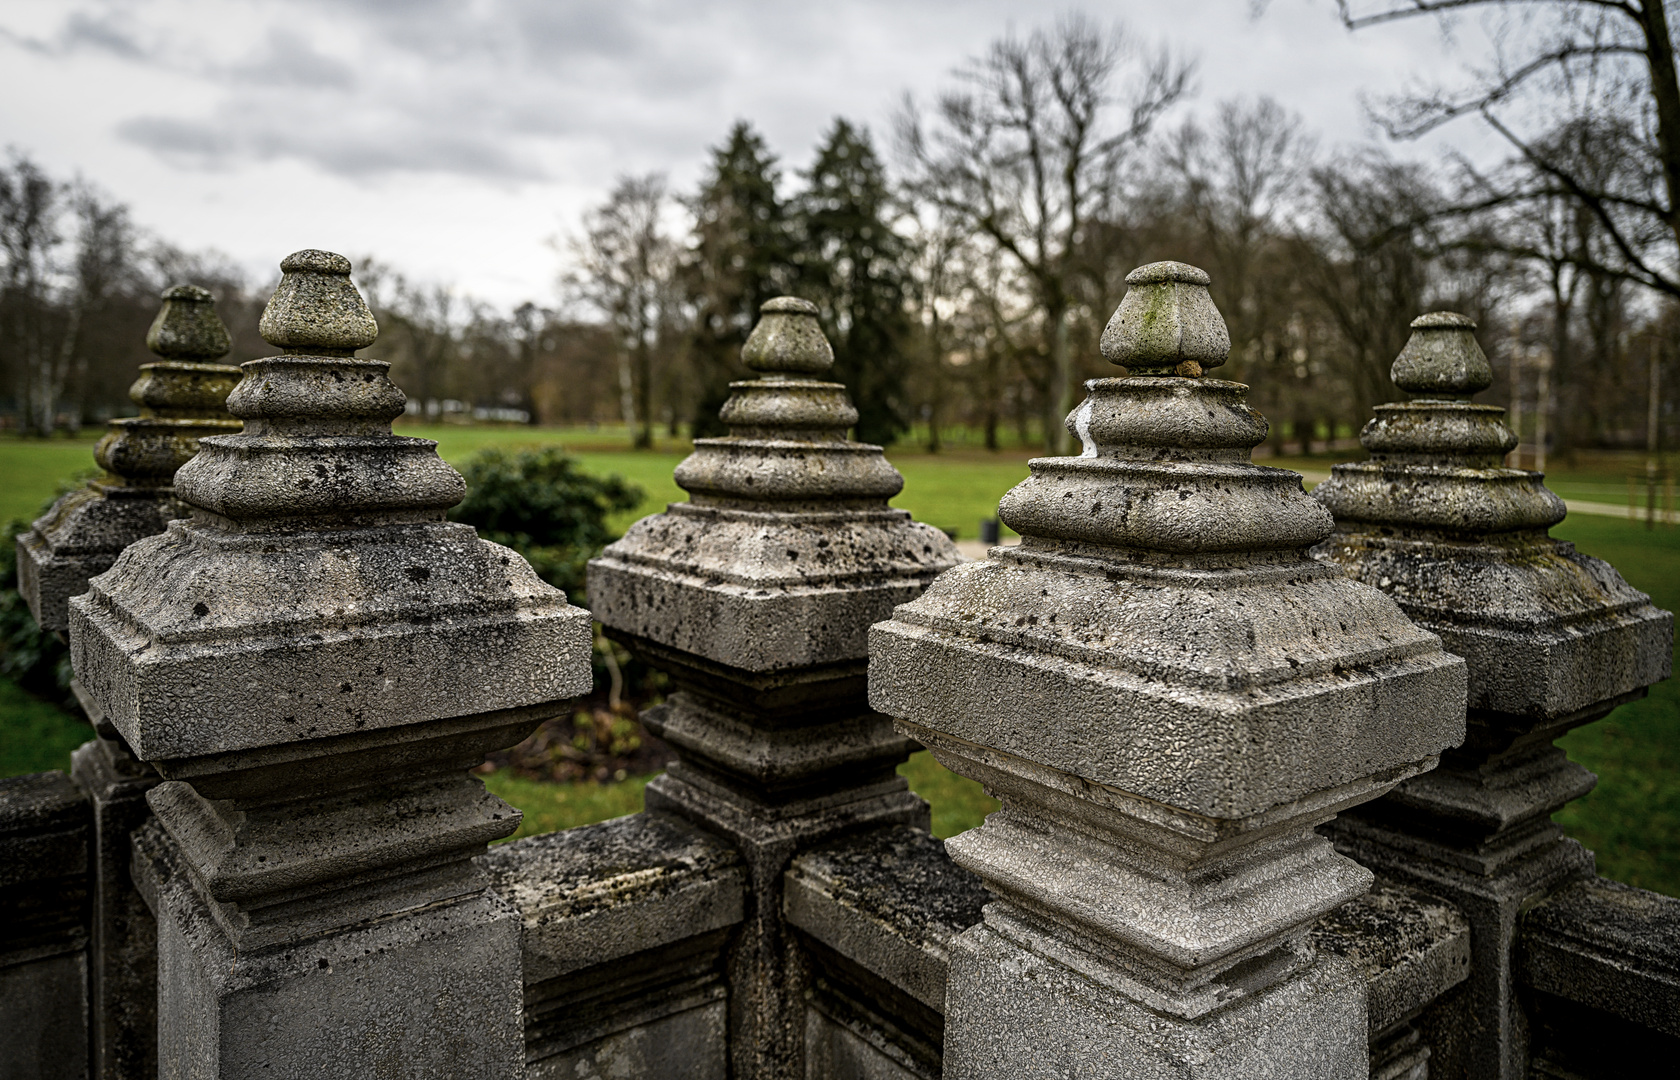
(182,397)
(1554,639)
(312,660)
(756,596)
(1168,695)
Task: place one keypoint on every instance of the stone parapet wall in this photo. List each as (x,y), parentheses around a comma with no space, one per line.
(1276,772)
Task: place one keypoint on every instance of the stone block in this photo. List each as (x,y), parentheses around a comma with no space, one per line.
(44,860)
(1013,1012)
(625,924)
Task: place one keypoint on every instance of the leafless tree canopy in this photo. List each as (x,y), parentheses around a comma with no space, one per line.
(965,272)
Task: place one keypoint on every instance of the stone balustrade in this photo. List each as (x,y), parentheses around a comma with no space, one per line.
(1185,683)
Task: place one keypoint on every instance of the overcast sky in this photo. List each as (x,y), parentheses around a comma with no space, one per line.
(456,138)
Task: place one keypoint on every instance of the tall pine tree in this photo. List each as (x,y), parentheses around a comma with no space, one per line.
(740,257)
(853,266)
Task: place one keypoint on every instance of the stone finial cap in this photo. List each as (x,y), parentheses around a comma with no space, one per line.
(788,340)
(316,309)
(187,327)
(1167,323)
(1442,357)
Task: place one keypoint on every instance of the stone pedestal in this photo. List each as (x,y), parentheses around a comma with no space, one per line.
(756,598)
(182,397)
(312,661)
(1554,639)
(1168,696)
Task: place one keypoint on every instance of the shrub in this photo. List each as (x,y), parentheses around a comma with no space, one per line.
(540,504)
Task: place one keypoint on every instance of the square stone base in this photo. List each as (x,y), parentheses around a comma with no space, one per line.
(1015,1015)
(433,993)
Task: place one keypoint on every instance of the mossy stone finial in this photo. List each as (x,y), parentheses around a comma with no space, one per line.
(788,340)
(1167,324)
(187,327)
(1442,357)
(317,310)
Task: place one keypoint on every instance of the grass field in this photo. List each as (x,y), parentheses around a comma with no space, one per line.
(1632,820)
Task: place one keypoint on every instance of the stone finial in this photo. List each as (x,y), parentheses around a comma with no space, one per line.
(1553,639)
(756,597)
(1166,324)
(317,310)
(317,450)
(788,340)
(1442,357)
(752,467)
(187,327)
(313,660)
(181,400)
(1169,697)
(317,456)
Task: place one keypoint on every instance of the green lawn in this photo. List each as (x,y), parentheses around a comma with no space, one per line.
(1632,821)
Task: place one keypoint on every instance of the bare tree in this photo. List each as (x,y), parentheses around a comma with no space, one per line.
(1241,183)
(1601,65)
(628,265)
(31,204)
(1028,147)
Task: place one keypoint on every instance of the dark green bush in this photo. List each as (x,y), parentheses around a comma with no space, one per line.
(29,656)
(540,504)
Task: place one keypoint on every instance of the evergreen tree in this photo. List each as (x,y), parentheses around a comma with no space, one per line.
(740,257)
(852,265)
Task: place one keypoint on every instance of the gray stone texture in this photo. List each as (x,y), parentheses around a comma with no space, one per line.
(312,661)
(624,929)
(1168,695)
(44,857)
(1553,639)
(883,909)
(123,953)
(182,398)
(1600,965)
(756,597)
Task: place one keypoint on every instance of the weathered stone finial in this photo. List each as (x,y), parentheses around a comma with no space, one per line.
(1166,324)
(756,596)
(1553,639)
(788,340)
(181,399)
(1442,357)
(317,449)
(1168,698)
(187,327)
(317,310)
(312,661)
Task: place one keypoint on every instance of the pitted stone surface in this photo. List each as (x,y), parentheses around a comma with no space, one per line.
(787,551)
(1553,639)
(313,661)
(1460,542)
(598,893)
(891,901)
(756,597)
(182,399)
(1167,696)
(317,589)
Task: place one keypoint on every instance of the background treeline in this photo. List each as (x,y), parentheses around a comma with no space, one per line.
(966,261)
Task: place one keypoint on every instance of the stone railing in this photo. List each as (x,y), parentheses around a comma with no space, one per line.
(1276,771)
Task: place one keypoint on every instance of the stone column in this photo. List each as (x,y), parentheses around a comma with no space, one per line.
(1168,696)
(1553,639)
(182,397)
(312,661)
(756,597)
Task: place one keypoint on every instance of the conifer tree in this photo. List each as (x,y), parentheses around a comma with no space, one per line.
(852,265)
(739,258)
